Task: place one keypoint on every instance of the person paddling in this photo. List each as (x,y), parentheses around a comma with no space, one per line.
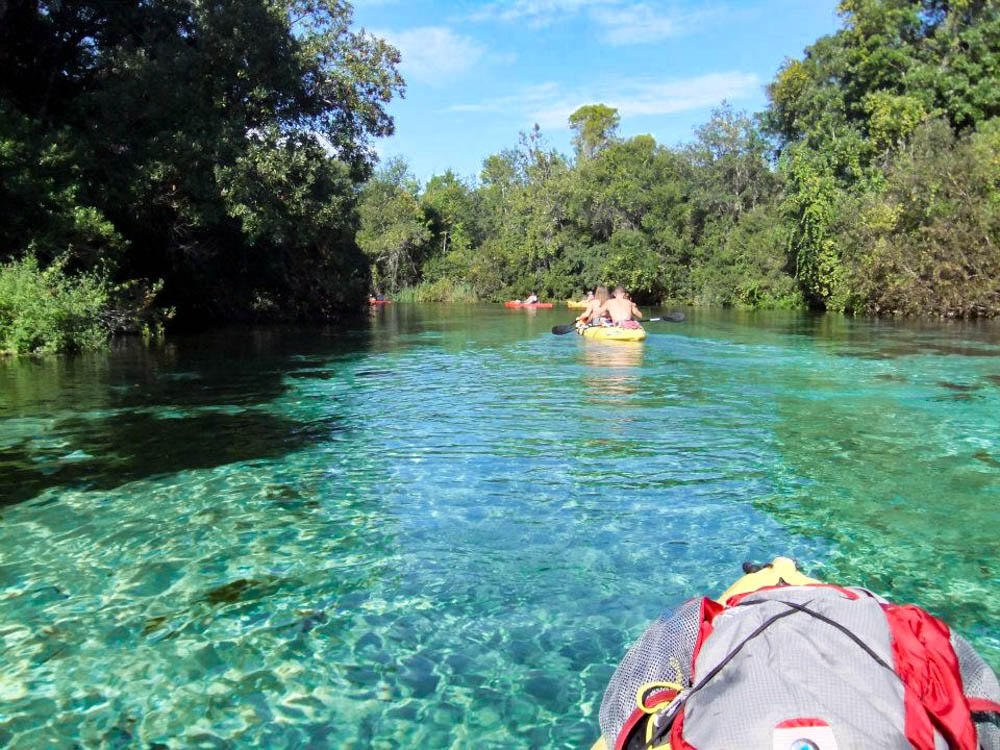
(622,310)
(592,314)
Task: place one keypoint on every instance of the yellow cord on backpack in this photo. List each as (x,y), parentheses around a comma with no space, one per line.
(640,696)
(640,701)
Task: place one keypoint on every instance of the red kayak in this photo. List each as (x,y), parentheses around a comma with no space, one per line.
(521,304)
(380,302)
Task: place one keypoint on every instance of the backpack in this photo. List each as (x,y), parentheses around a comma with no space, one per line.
(801,667)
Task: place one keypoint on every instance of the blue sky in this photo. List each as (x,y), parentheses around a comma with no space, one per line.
(477,73)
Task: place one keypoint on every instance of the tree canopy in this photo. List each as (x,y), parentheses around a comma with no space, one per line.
(216,146)
(596,128)
(869,184)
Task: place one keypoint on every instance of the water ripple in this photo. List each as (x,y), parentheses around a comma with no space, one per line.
(444,530)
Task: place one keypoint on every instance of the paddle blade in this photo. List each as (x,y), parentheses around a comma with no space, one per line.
(674,317)
(560,330)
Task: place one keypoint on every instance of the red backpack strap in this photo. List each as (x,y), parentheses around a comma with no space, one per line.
(677,741)
(983,706)
(928,667)
(709,609)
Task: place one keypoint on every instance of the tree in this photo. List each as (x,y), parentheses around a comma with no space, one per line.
(857,98)
(596,128)
(393,232)
(869,184)
(449,205)
(733,173)
(928,242)
(166,111)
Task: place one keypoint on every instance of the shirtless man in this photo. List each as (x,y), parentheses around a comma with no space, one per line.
(620,308)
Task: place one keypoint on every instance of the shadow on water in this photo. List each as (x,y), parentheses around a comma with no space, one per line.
(458,327)
(98,421)
(860,337)
(116,450)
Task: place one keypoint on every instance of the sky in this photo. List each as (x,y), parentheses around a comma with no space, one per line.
(478,73)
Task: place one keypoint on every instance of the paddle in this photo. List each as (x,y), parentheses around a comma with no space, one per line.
(674,317)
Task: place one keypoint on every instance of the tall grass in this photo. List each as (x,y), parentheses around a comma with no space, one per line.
(442,290)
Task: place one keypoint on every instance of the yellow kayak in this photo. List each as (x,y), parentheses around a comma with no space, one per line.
(574,305)
(613,333)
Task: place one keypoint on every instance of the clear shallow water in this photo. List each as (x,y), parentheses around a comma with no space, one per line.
(447,526)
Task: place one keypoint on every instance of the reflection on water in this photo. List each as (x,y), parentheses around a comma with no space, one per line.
(443,527)
(613,366)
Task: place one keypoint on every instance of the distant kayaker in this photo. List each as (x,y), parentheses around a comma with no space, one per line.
(531,299)
(621,308)
(592,314)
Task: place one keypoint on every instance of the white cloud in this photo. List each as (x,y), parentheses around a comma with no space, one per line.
(661,98)
(550,106)
(536,12)
(635,25)
(433,54)
(620,22)
(528,99)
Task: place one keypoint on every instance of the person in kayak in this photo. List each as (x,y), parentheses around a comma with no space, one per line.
(531,299)
(622,310)
(592,314)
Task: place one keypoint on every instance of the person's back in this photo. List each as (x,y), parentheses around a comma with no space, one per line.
(592,314)
(621,309)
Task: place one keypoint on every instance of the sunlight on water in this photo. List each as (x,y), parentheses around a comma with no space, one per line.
(446,527)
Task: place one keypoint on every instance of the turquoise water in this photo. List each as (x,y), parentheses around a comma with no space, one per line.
(446,526)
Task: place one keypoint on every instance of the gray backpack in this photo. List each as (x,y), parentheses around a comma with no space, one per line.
(816,667)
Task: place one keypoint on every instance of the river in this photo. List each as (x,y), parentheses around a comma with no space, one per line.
(444,526)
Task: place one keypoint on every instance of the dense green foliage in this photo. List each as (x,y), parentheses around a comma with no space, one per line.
(47,310)
(926,242)
(870,184)
(867,122)
(219,154)
(217,147)
(700,224)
